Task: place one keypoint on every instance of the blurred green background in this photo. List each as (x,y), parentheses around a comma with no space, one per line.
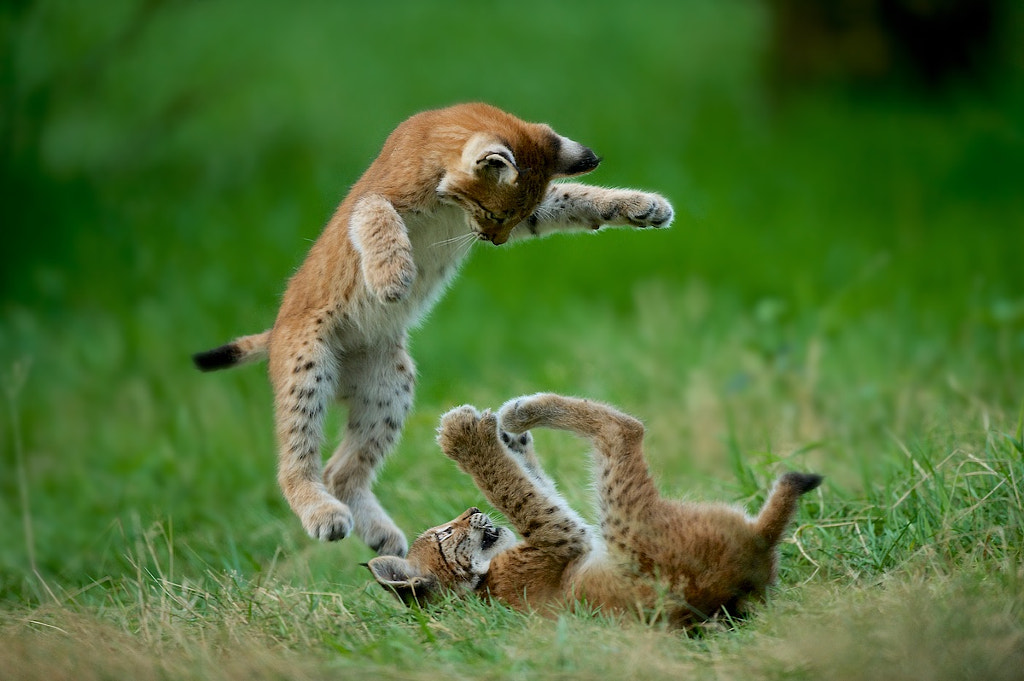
(846,266)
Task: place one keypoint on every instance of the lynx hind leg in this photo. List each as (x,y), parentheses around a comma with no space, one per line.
(378,388)
(583,417)
(625,489)
(303,386)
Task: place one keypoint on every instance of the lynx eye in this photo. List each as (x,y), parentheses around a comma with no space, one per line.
(501,217)
(443,534)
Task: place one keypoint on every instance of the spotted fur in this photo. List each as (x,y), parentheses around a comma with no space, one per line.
(444,180)
(680,562)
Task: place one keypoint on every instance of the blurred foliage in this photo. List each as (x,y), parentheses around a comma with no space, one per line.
(926,45)
(144,141)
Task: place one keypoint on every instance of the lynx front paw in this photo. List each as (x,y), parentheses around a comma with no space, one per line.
(392,281)
(457,423)
(330,520)
(639,209)
(464,431)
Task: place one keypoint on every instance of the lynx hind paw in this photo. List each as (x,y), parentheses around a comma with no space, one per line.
(329,521)
(647,210)
(520,443)
(386,540)
(520,414)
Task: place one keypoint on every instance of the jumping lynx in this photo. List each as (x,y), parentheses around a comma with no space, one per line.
(443,180)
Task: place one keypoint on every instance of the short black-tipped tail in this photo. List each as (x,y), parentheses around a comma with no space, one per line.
(780,508)
(802,483)
(219,358)
(239,351)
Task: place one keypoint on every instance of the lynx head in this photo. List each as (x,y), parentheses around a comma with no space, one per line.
(450,557)
(504,167)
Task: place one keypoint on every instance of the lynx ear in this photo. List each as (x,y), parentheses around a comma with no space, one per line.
(399,577)
(502,161)
(484,155)
(574,158)
(498,158)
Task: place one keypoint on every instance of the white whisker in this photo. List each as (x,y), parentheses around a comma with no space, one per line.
(449,240)
(457,240)
(466,246)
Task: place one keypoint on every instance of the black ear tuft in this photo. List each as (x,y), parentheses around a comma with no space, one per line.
(584,163)
(573,158)
(802,482)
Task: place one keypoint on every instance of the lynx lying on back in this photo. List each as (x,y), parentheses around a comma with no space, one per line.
(685,562)
(443,180)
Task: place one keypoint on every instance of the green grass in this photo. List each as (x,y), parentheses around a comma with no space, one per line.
(842,292)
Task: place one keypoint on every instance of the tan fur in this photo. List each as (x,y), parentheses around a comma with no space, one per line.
(681,562)
(443,180)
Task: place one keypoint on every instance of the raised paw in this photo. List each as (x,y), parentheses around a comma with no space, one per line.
(458,422)
(392,280)
(465,430)
(330,520)
(520,414)
(517,443)
(647,210)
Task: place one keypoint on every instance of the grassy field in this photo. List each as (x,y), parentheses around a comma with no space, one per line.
(842,292)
